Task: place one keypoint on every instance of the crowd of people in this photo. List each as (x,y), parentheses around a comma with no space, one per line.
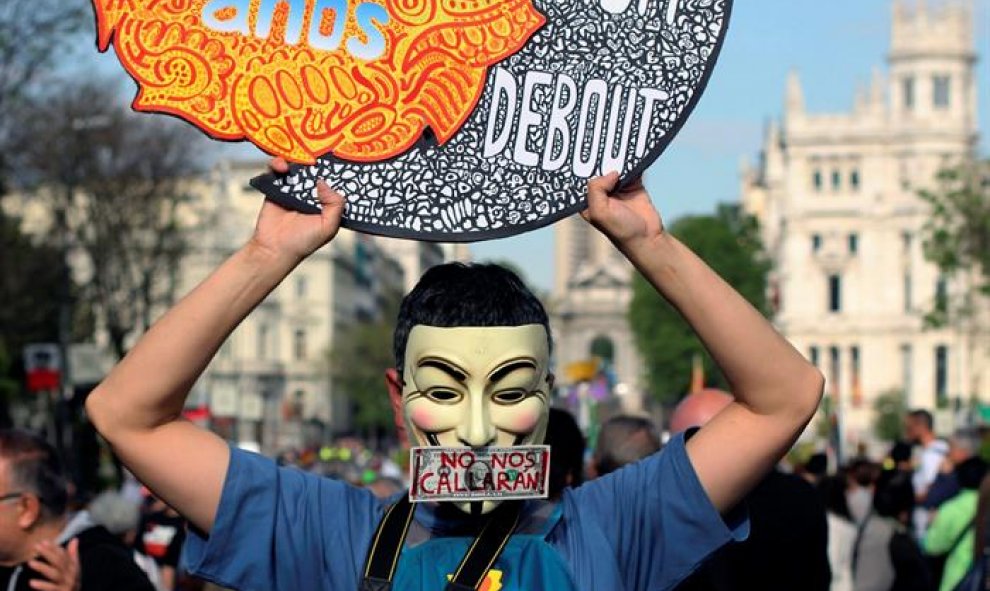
(914,521)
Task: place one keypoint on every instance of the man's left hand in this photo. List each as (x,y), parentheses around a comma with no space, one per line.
(60,566)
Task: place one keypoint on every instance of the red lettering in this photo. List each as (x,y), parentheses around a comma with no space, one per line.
(498,461)
(448,459)
(422,483)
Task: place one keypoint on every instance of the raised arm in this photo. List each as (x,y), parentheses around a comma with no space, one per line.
(776,391)
(138,406)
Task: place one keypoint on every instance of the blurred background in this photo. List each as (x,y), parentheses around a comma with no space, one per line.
(835,173)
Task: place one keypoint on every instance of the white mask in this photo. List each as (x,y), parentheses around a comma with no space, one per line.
(476,387)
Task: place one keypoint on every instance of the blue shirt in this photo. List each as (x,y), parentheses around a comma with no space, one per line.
(644,527)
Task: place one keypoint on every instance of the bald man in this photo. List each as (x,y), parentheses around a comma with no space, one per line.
(787,546)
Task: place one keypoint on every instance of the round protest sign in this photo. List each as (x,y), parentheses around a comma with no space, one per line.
(448,120)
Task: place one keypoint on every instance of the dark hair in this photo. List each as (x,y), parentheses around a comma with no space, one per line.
(924,416)
(970,473)
(455,294)
(566,451)
(624,440)
(817,464)
(900,452)
(863,472)
(36,468)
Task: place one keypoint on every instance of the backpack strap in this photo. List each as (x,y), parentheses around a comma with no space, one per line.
(487,547)
(383,555)
(860,530)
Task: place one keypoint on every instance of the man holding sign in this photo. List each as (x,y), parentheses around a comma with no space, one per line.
(472,375)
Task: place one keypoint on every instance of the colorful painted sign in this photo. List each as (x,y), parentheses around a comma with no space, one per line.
(437,119)
(479,474)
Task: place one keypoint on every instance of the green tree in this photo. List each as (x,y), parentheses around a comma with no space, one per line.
(360,353)
(729,242)
(957,239)
(116,203)
(889,410)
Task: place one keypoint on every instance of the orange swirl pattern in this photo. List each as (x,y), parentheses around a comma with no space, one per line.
(299,102)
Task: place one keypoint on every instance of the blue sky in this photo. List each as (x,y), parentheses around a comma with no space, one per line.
(834,45)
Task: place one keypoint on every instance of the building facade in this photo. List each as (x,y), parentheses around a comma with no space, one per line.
(270,383)
(589,309)
(837,198)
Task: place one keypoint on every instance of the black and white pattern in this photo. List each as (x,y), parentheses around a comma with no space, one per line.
(650,57)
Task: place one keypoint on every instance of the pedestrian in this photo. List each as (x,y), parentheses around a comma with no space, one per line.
(567,446)
(787,547)
(919,430)
(34,521)
(121,516)
(952,532)
(623,440)
(160,535)
(885,556)
(895,491)
(472,370)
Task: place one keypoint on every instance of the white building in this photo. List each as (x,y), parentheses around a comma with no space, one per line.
(589,308)
(837,198)
(270,383)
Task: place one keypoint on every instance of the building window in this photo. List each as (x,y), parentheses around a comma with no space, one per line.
(813,355)
(853,243)
(262,344)
(855,369)
(941,91)
(836,180)
(817,180)
(941,375)
(299,344)
(907,85)
(941,294)
(816,242)
(908,296)
(906,370)
(301,286)
(833,371)
(834,293)
(854,180)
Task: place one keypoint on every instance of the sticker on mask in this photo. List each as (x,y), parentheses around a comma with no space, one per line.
(479,474)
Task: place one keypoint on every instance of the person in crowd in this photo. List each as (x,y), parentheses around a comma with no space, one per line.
(161,534)
(895,491)
(841,531)
(567,447)
(472,355)
(623,440)
(919,430)
(815,470)
(885,556)
(787,547)
(952,532)
(40,543)
(963,445)
(120,516)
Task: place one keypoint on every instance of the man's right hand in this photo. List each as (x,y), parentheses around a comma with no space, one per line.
(59,566)
(286,233)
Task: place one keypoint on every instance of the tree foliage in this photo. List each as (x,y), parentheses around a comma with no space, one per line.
(30,32)
(729,242)
(889,410)
(957,236)
(115,182)
(359,356)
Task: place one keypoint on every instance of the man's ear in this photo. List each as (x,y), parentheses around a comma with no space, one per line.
(29,509)
(394,385)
